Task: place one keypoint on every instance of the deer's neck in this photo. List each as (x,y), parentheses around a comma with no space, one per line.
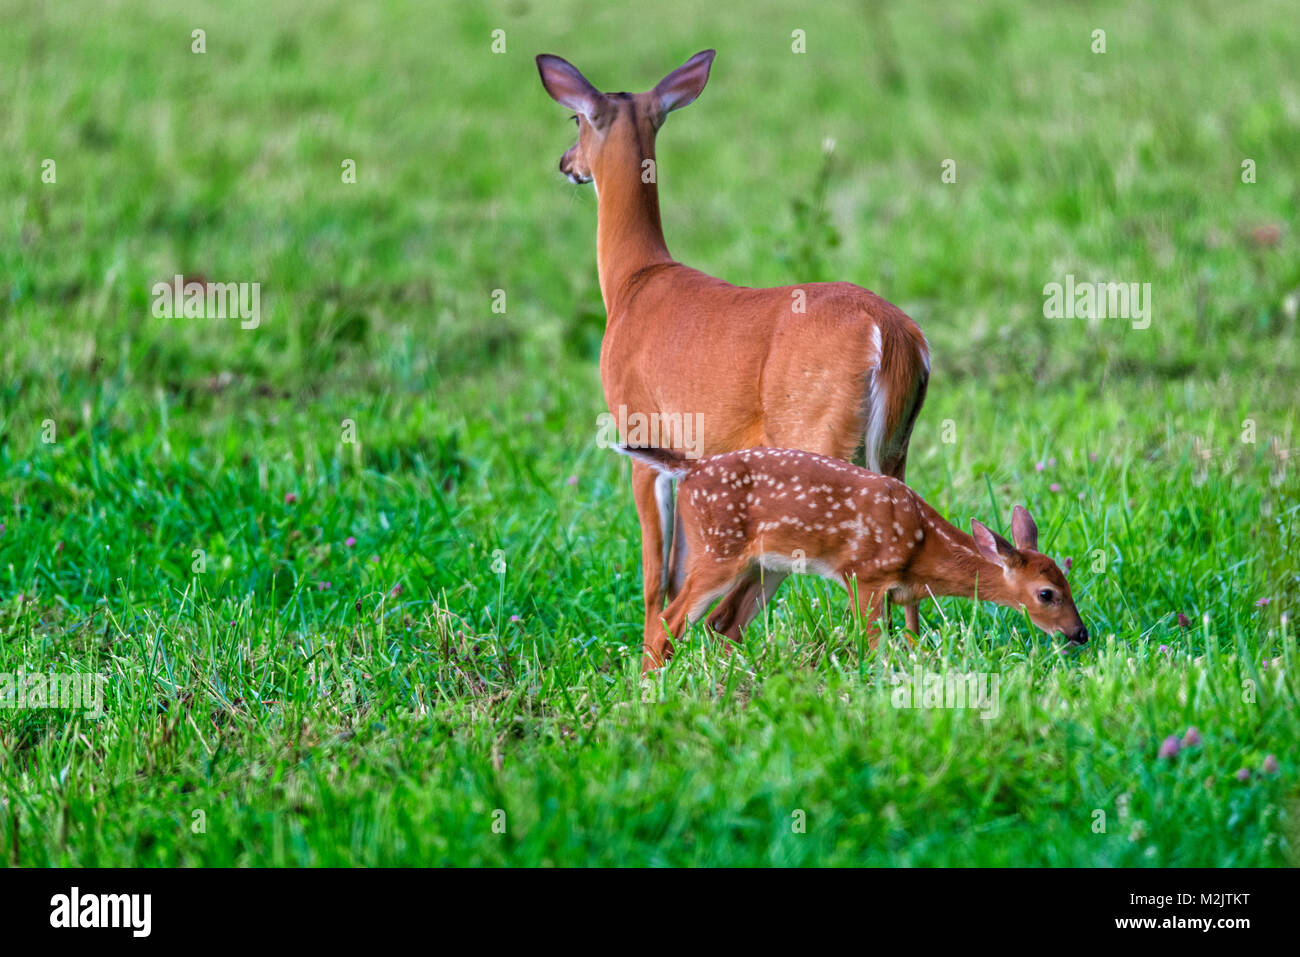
(950,564)
(629,235)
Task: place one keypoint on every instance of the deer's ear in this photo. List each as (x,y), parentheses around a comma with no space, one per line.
(685,83)
(1023,530)
(567,86)
(993,546)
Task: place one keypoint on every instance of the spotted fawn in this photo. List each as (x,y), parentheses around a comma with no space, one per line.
(748,514)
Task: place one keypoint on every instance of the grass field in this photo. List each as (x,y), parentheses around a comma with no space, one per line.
(363,588)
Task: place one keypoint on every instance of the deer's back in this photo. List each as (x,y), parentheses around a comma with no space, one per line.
(782,365)
(770,504)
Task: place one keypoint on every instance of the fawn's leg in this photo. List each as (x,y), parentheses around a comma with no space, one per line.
(742,605)
(701,586)
(658,648)
(754,598)
(897,468)
(743,602)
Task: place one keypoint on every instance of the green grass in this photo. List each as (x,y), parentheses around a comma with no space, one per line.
(316,715)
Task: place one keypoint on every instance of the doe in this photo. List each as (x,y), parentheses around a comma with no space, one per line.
(828,367)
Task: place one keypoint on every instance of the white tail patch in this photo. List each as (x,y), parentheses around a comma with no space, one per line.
(880,447)
(878,400)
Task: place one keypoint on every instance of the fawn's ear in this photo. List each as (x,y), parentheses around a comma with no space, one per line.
(567,86)
(993,546)
(685,83)
(1023,530)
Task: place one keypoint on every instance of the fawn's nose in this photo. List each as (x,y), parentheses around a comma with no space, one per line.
(1080,636)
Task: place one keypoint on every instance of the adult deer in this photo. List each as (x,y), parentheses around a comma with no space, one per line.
(784,509)
(827,367)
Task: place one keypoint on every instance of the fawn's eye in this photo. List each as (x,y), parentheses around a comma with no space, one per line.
(1045,595)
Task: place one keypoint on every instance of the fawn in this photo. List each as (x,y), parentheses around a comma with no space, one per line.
(764,510)
(828,367)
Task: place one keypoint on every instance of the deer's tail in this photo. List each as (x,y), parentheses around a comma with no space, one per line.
(898,385)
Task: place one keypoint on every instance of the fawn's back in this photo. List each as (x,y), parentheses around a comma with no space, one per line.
(773,506)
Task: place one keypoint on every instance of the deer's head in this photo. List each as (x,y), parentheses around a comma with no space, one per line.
(1031,580)
(629,119)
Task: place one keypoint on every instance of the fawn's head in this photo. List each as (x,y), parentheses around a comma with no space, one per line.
(1032,580)
(631,119)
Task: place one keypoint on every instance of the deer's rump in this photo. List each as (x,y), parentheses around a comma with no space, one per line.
(804,367)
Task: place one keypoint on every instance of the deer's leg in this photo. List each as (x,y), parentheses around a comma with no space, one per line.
(723,619)
(675,550)
(743,603)
(648,512)
(699,589)
(897,467)
(658,646)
